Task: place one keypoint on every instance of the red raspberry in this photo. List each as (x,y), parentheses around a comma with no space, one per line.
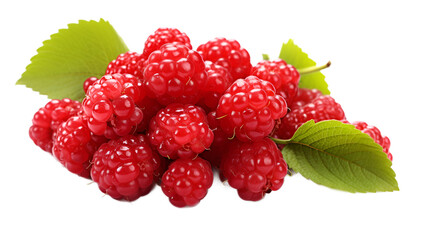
(126,168)
(375,134)
(304,96)
(88,82)
(162,36)
(283,76)
(110,105)
(254,168)
(249,108)
(174,73)
(321,108)
(218,80)
(220,142)
(47,119)
(187,181)
(180,131)
(150,108)
(228,54)
(75,145)
(128,62)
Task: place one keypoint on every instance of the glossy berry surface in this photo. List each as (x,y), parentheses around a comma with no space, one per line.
(150,108)
(254,168)
(162,36)
(220,142)
(110,105)
(249,109)
(375,134)
(304,96)
(283,76)
(218,80)
(128,62)
(47,120)
(175,74)
(88,82)
(187,181)
(180,131)
(228,54)
(75,145)
(126,168)
(321,108)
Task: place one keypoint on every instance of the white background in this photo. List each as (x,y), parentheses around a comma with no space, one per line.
(379,73)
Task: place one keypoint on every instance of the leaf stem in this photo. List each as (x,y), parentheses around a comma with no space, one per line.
(280,141)
(313,69)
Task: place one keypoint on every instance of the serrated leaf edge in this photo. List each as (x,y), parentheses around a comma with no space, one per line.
(307,127)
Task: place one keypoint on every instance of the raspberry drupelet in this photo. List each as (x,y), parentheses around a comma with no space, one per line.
(162,36)
(187,181)
(321,108)
(110,105)
(218,80)
(303,97)
(249,109)
(254,168)
(75,145)
(88,82)
(220,142)
(129,62)
(48,118)
(283,76)
(126,168)
(150,108)
(180,131)
(228,54)
(175,74)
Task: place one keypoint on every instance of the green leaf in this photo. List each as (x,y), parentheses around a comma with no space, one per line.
(294,55)
(339,156)
(265,56)
(72,55)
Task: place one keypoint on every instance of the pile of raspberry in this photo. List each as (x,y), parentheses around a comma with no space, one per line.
(171,115)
